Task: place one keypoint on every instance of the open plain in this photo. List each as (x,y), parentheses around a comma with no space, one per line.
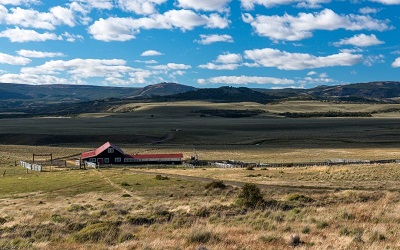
(177,207)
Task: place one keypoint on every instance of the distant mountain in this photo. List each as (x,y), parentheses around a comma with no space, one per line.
(163,89)
(62,93)
(369,91)
(74,93)
(222,94)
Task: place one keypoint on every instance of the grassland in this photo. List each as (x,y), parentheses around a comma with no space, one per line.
(340,207)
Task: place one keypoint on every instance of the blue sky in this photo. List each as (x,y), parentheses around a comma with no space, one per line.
(208,43)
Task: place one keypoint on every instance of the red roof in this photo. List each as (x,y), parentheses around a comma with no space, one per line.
(99,150)
(157,156)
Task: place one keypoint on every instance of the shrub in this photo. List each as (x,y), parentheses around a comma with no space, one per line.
(57,218)
(322,224)
(299,198)
(75,208)
(103,231)
(377,236)
(160,177)
(199,235)
(141,220)
(125,184)
(126,195)
(305,230)
(2,220)
(250,196)
(215,185)
(295,240)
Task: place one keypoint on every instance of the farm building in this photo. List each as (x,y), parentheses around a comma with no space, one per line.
(108,153)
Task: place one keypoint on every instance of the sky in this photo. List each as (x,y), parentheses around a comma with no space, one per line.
(202,43)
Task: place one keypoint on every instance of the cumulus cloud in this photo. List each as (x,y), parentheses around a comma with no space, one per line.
(214,38)
(297,61)
(213,66)
(171,66)
(373,59)
(28,18)
(396,63)
(124,29)
(34,79)
(22,35)
(228,61)
(206,5)
(229,58)
(38,54)
(71,37)
(387,2)
(294,28)
(13,60)
(368,10)
(83,68)
(151,53)
(249,4)
(360,40)
(141,7)
(244,80)
(94,4)
(19,2)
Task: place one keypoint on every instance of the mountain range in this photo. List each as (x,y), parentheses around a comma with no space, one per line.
(33,99)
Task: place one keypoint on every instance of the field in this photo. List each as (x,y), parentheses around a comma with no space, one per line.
(154,207)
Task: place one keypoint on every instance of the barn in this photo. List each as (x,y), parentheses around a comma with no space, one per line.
(108,153)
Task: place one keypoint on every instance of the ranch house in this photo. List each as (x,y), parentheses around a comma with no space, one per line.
(108,153)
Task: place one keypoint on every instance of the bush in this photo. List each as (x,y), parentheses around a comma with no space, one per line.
(215,185)
(125,184)
(160,177)
(377,236)
(199,235)
(250,196)
(299,198)
(75,208)
(322,224)
(295,240)
(2,220)
(126,195)
(103,231)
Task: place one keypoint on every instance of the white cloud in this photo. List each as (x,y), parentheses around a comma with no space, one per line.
(213,66)
(311,73)
(209,39)
(34,79)
(294,28)
(95,4)
(113,29)
(151,53)
(388,2)
(38,54)
(82,68)
(368,10)
(141,7)
(297,61)
(244,80)
(13,60)
(171,66)
(396,63)
(228,61)
(22,35)
(19,2)
(124,29)
(28,18)
(229,58)
(249,4)
(206,5)
(147,61)
(360,40)
(373,59)
(71,37)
